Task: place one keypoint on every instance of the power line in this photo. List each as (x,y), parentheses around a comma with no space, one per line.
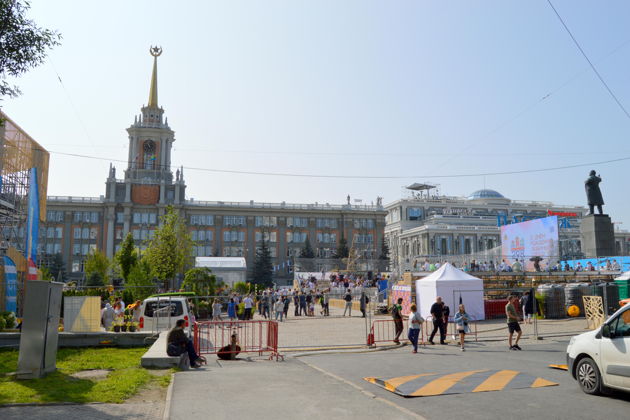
(577,44)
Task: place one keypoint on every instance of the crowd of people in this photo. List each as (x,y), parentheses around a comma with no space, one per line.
(119,314)
(539,264)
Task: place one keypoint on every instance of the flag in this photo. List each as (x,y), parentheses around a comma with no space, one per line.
(32,270)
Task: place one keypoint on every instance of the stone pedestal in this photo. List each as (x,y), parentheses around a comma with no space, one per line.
(598,236)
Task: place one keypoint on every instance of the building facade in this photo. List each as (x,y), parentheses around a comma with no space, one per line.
(135,203)
(423,226)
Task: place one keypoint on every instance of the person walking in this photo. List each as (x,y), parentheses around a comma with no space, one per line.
(438,321)
(446,313)
(461,320)
(249,303)
(415,323)
(527,305)
(285,302)
(231,309)
(303,304)
(348,299)
(216,310)
(279,309)
(512,321)
(398,321)
(325,298)
(107,316)
(363,303)
(296,302)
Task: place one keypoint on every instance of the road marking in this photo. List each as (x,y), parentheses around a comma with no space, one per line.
(560,367)
(431,384)
(497,381)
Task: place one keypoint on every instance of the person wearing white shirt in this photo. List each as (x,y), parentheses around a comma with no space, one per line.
(279,309)
(415,323)
(248,307)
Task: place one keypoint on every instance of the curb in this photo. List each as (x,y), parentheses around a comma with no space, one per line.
(169,396)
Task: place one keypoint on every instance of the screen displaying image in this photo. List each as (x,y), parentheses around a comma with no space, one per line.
(530,241)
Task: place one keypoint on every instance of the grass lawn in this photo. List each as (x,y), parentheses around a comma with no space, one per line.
(124,380)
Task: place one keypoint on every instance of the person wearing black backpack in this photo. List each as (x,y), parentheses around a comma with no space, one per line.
(348,299)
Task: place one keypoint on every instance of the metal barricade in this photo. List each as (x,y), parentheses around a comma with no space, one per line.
(472,325)
(384,330)
(214,337)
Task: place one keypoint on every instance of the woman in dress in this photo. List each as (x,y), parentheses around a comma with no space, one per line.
(231,309)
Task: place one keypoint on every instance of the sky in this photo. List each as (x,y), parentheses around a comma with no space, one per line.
(409,89)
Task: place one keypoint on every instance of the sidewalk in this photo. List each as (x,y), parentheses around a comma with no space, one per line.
(264,390)
(139,411)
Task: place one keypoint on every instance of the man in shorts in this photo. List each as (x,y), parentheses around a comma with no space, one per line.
(512,321)
(398,320)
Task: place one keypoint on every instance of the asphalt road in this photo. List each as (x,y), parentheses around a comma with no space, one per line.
(565,401)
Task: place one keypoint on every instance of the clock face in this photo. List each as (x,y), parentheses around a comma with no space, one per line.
(149,146)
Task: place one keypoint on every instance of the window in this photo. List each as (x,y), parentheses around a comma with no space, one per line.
(120,217)
(266,221)
(149,154)
(202,251)
(326,237)
(145,218)
(136,234)
(233,251)
(327,223)
(50,233)
(119,233)
(360,238)
(234,220)
(58,232)
(269,236)
(202,219)
(57,248)
(296,237)
(49,248)
(85,249)
(85,233)
(152,308)
(77,233)
(233,236)
(76,249)
(93,233)
(414,213)
(297,222)
(76,266)
(54,216)
(364,223)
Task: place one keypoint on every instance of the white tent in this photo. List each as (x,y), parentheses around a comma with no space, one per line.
(624,276)
(451,284)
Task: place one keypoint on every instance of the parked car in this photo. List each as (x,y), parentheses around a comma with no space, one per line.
(161,312)
(600,359)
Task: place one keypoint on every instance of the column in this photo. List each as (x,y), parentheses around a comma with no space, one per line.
(110,219)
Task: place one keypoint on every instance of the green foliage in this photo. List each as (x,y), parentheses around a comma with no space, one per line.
(342,248)
(140,281)
(201,281)
(170,251)
(46,276)
(97,267)
(23,44)
(263,269)
(307,251)
(127,256)
(125,379)
(55,265)
(241,287)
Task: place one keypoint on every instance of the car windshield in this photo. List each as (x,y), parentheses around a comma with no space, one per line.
(160,308)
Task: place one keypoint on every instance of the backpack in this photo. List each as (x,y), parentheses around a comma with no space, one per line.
(348,297)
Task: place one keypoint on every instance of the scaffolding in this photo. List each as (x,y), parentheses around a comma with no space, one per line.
(18,154)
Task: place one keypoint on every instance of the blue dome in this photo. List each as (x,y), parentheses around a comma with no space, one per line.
(485,194)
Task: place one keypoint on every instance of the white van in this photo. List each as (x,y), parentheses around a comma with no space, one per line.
(160,313)
(600,358)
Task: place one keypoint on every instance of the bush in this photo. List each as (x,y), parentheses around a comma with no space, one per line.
(3,323)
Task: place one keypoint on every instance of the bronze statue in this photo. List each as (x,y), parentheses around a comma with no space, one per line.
(593,193)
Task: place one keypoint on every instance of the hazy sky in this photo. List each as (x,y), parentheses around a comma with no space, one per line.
(387,88)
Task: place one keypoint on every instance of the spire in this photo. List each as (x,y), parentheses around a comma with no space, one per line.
(153,92)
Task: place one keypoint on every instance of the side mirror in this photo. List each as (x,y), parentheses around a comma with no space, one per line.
(606,330)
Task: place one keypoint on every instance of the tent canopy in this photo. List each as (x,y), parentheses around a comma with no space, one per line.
(624,276)
(452,285)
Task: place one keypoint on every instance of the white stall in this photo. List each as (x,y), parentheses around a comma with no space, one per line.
(452,285)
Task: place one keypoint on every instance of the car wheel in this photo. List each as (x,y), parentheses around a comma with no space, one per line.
(588,376)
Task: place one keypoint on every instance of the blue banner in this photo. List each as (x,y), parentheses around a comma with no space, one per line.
(32,225)
(10,279)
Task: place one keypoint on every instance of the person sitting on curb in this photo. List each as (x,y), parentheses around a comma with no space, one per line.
(177,343)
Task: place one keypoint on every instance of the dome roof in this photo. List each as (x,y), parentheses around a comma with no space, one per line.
(485,194)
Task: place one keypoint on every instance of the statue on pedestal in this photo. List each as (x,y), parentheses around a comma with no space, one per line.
(593,193)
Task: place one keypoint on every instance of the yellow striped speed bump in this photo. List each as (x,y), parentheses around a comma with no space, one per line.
(559,367)
(431,384)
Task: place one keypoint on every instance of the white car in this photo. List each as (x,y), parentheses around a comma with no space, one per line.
(160,313)
(600,358)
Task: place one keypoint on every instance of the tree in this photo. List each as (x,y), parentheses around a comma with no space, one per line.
(23,44)
(170,250)
(241,288)
(55,265)
(139,280)
(307,251)
(127,256)
(97,268)
(201,281)
(342,248)
(384,251)
(263,269)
